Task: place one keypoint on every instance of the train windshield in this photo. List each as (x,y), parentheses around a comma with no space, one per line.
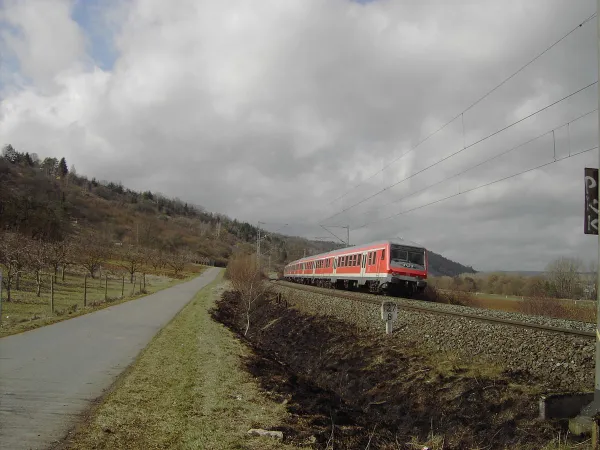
(411,255)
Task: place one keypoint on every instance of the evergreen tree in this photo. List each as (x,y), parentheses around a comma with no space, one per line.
(10,154)
(63,170)
(28,159)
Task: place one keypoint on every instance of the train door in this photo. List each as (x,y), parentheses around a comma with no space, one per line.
(335,263)
(363,264)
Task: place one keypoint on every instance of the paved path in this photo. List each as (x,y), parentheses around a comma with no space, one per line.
(50,375)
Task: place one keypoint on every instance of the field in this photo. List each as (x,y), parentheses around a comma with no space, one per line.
(584,310)
(26,310)
(189,391)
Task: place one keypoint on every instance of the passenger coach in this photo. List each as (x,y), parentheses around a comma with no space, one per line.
(388,267)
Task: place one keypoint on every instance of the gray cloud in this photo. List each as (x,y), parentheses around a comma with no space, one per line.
(269,111)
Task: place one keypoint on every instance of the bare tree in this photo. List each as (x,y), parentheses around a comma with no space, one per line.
(57,253)
(91,253)
(132,260)
(13,254)
(37,261)
(564,276)
(156,259)
(248,281)
(177,261)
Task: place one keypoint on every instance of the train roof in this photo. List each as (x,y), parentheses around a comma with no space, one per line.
(357,247)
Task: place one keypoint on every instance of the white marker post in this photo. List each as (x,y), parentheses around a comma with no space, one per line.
(389,313)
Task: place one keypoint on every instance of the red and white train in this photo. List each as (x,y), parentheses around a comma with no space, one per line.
(388,267)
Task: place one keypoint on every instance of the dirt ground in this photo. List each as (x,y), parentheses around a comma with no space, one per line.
(351,389)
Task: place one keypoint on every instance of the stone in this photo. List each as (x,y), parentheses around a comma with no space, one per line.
(260,432)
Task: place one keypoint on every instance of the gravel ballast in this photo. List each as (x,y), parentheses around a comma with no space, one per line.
(557,361)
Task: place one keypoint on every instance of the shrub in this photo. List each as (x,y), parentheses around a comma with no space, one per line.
(450,297)
(249,283)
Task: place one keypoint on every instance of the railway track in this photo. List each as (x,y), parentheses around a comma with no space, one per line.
(365,298)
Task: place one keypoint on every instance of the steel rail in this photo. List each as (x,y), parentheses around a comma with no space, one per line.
(429,310)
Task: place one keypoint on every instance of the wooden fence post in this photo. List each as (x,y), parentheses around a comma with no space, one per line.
(105,287)
(85,290)
(52,295)
(123,287)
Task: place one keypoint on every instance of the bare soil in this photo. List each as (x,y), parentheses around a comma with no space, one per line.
(354,388)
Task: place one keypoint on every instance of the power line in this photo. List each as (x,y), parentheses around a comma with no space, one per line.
(459,151)
(477,187)
(470,106)
(567,124)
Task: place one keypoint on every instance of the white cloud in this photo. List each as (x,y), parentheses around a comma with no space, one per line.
(47,40)
(270,110)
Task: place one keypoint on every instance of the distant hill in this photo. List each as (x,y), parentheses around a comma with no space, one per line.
(44,199)
(440,266)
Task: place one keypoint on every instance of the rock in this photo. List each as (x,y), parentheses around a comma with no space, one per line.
(260,432)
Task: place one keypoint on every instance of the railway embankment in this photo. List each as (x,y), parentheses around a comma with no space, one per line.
(348,384)
(553,361)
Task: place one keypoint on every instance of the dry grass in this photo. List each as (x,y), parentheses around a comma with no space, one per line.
(186,390)
(561,309)
(538,305)
(26,311)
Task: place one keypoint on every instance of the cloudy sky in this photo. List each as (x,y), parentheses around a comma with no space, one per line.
(297,111)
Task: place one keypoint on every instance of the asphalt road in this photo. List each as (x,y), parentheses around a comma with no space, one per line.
(50,375)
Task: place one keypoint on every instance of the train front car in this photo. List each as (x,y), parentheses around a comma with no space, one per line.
(407,269)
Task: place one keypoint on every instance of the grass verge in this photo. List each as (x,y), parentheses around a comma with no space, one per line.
(187,390)
(27,311)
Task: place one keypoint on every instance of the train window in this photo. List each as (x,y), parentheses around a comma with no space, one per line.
(359,260)
(383,254)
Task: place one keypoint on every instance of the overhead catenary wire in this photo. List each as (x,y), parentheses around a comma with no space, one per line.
(529,141)
(476,188)
(459,151)
(476,102)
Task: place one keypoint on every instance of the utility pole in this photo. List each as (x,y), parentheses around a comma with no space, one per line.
(259,239)
(587,417)
(347,227)
(597,382)
(596,402)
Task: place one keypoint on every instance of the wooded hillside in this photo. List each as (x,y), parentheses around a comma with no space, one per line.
(47,200)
